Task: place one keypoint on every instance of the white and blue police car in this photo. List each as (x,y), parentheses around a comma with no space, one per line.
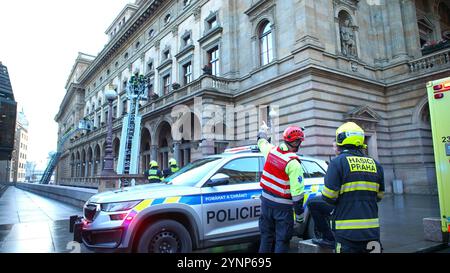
(210,202)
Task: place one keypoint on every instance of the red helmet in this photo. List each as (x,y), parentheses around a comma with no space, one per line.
(293,133)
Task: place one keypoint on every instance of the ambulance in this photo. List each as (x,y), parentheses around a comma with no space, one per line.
(439,104)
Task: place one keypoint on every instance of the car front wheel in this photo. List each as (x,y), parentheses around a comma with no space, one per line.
(165,236)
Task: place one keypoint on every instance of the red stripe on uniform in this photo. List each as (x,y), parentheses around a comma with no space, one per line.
(272,169)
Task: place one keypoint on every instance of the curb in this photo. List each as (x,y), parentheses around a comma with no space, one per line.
(434,248)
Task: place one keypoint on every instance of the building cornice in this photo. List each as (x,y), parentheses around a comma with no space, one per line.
(130,28)
(73,87)
(80,60)
(124,10)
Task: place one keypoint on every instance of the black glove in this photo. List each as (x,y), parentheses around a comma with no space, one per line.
(298,207)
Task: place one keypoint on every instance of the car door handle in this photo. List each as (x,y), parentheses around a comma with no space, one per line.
(256,196)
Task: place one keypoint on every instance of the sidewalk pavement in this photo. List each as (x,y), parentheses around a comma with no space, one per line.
(401,222)
(32,223)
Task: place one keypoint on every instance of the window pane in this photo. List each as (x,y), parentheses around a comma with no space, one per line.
(312,169)
(242,170)
(266,29)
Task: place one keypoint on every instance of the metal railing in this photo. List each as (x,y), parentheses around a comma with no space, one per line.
(430,62)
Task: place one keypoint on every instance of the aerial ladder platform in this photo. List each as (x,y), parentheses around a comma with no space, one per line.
(54,158)
(128,161)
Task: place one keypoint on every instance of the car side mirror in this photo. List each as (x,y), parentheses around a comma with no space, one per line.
(218,179)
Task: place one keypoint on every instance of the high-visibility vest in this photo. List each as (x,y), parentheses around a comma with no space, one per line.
(174,169)
(274,180)
(154,174)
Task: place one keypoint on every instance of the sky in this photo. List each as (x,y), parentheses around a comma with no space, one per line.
(39,42)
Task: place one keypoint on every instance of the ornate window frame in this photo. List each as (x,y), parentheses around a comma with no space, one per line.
(259,13)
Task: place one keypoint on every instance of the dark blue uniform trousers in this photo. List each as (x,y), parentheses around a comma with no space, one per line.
(276,225)
(320,212)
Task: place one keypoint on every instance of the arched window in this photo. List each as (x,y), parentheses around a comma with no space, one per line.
(167,18)
(151,33)
(426,32)
(265,43)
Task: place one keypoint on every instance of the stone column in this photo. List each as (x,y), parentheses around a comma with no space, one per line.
(86,169)
(207,147)
(186,156)
(93,168)
(397,30)
(305,22)
(154,152)
(176,151)
(410,25)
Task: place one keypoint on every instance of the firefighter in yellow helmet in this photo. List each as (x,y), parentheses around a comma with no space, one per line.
(173,168)
(154,174)
(354,183)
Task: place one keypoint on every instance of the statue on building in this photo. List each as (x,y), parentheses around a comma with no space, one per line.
(348,40)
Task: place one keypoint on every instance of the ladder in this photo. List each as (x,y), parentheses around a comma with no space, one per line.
(128,161)
(54,158)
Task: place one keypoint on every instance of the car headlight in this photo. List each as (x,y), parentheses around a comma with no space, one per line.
(119,206)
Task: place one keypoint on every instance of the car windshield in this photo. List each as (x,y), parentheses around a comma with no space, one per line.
(190,174)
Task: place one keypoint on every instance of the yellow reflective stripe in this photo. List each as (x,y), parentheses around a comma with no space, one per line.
(154,177)
(357,224)
(338,247)
(315,188)
(360,186)
(170,200)
(380,194)
(329,193)
(144,204)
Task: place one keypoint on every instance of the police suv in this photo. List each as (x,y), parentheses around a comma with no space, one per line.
(210,202)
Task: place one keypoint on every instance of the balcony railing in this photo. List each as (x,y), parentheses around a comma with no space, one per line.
(430,62)
(204,82)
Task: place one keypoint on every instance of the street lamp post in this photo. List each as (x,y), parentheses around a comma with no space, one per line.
(272,115)
(108,167)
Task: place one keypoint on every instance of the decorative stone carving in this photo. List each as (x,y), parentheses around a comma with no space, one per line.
(364,116)
(174,30)
(354,66)
(157,44)
(348,38)
(197,12)
(351,4)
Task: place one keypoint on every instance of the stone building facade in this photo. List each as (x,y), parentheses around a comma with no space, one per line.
(20,152)
(316,63)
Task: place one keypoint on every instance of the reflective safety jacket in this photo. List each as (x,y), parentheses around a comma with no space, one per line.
(154,175)
(170,171)
(282,177)
(174,169)
(354,183)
